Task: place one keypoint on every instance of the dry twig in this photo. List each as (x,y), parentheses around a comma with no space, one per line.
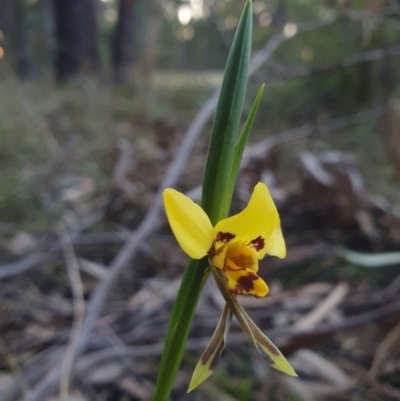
(79,311)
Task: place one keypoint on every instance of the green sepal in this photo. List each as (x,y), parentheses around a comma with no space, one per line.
(211,355)
(263,344)
(242,140)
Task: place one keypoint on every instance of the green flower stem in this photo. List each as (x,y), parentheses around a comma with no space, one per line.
(192,283)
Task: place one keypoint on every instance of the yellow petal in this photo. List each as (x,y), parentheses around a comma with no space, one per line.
(218,260)
(243,282)
(239,256)
(276,244)
(255,223)
(190,224)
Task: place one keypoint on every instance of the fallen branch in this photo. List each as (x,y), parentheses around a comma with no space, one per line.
(79,311)
(38,257)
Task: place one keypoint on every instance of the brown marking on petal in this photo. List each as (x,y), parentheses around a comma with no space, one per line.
(257,243)
(213,251)
(242,261)
(217,356)
(208,351)
(225,237)
(265,342)
(245,284)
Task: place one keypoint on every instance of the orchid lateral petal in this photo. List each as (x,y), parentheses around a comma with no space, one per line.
(276,244)
(190,224)
(256,222)
(211,355)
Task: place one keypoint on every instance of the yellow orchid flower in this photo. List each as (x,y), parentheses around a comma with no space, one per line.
(236,243)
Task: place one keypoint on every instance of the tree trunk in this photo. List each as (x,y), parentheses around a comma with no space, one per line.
(123,40)
(90,33)
(13,23)
(77,34)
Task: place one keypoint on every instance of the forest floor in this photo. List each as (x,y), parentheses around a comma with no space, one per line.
(81,166)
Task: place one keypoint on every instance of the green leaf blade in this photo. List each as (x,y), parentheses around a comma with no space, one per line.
(241,143)
(226,122)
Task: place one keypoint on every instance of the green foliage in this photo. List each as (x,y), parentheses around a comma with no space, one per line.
(217,173)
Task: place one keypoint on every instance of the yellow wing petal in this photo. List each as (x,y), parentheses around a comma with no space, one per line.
(276,244)
(255,223)
(190,224)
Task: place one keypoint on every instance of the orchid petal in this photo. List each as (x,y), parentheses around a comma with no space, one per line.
(276,244)
(239,256)
(245,281)
(190,224)
(256,223)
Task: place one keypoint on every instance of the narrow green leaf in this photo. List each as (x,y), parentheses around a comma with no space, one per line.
(241,143)
(211,355)
(262,343)
(216,198)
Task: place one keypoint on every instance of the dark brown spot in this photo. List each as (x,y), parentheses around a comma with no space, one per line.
(257,243)
(213,251)
(225,237)
(245,284)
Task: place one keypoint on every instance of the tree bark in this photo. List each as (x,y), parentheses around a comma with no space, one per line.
(123,40)
(14,25)
(77,38)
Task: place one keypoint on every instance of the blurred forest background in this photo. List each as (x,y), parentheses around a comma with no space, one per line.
(103,101)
